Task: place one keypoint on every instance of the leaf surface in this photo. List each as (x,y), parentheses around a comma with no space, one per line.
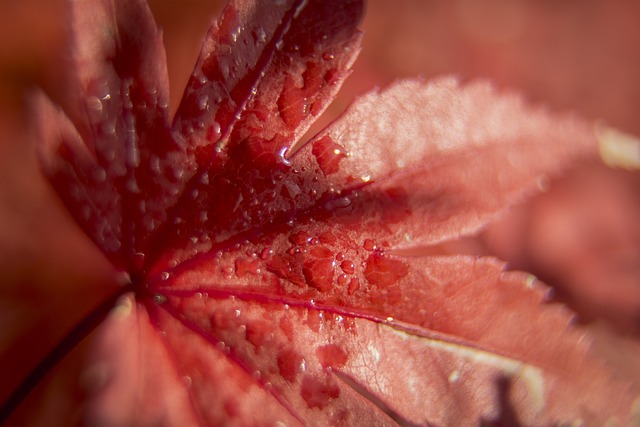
(288,277)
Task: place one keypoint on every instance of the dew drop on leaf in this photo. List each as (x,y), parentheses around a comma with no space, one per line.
(286,326)
(292,104)
(290,364)
(94,104)
(327,238)
(214,132)
(317,393)
(331,356)
(383,271)
(328,154)
(318,273)
(159,299)
(369,245)
(347,266)
(342,202)
(354,285)
(299,238)
(247,266)
(257,333)
(343,280)
(265,253)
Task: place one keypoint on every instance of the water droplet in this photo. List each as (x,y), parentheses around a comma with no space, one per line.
(343,280)
(154,164)
(133,154)
(384,271)
(132,185)
(262,36)
(94,103)
(164,275)
(203,102)
(347,266)
(543,184)
(369,245)
(265,253)
(341,202)
(227,271)
(331,356)
(321,252)
(178,173)
(290,364)
(293,250)
(224,69)
(149,224)
(100,175)
(159,299)
(236,33)
(317,393)
(214,132)
(292,104)
(328,154)
(299,238)
(245,266)
(318,273)
(138,258)
(354,285)
(204,179)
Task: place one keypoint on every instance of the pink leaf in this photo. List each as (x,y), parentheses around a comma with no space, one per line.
(277,281)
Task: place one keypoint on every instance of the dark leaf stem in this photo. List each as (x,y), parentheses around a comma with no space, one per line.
(82,329)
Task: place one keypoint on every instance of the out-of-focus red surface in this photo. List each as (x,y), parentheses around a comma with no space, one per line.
(583,236)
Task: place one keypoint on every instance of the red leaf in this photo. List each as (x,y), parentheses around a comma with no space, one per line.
(122,169)
(281,282)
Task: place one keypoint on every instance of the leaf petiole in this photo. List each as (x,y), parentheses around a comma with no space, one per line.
(79,332)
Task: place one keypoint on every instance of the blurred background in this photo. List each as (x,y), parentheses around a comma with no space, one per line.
(582,236)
